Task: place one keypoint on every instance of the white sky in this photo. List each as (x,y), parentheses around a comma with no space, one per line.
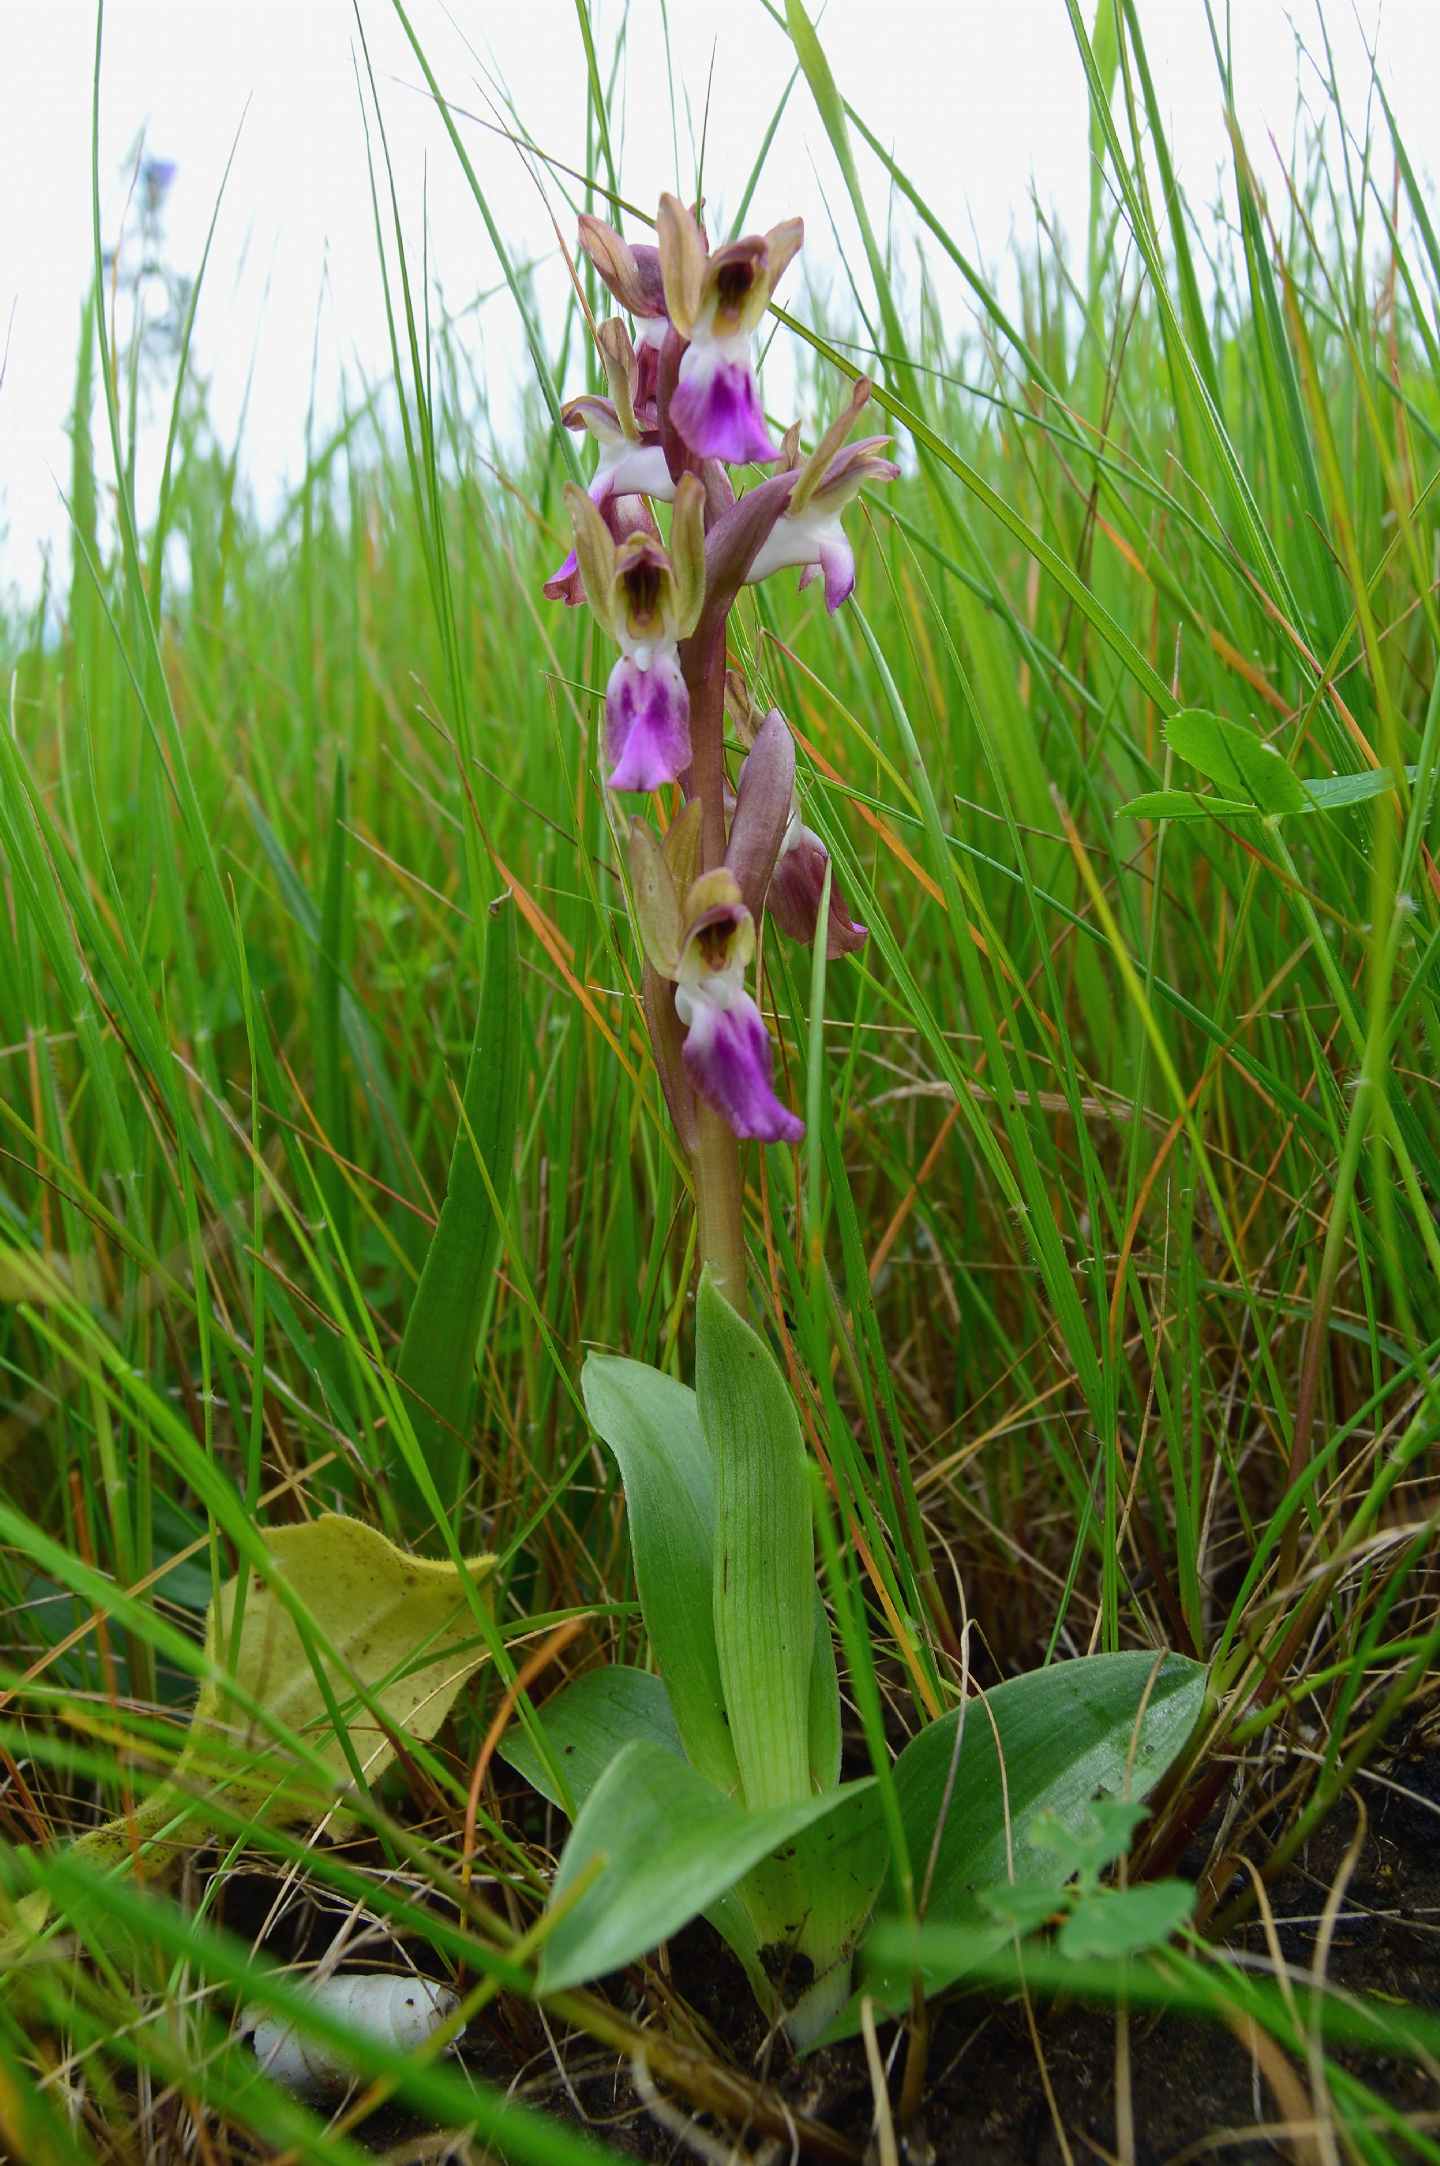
(981,99)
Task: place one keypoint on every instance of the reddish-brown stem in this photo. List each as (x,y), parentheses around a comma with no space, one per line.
(715,1160)
(707,748)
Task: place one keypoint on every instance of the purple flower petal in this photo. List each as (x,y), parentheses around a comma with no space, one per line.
(793,900)
(565,585)
(717,409)
(837,562)
(727,1058)
(647,722)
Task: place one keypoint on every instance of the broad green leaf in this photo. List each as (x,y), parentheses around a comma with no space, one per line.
(1236,760)
(1068,1737)
(654,1845)
(1126,1921)
(764,1574)
(828,1882)
(394,1639)
(587,1725)
(652,1426)
(457,1283)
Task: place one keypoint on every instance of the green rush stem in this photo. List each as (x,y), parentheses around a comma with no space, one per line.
(715,1161)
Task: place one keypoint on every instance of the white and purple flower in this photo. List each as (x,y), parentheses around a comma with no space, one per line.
(727,1047)
(648,598)
(715,302)
(704,948)
(808,532)
(630,463)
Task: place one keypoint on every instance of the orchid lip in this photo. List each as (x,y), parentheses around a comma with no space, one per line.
(716,405)
(728,1059)
(647,719)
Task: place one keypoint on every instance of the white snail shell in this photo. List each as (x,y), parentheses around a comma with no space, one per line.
(397,2012)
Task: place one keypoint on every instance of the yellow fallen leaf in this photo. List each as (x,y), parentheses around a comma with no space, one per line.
(399,1628)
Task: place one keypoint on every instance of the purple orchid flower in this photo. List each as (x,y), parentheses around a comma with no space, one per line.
(727,1047)
(703,948)
(715,302)
(808,532)
(623,516)
(631,463)
(796,887)
(648,598)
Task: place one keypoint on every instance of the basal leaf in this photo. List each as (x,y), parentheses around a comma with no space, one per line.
(1066,1734)
(1067,1737)
(587,1725)
(764,1577)
(652,1426)
(654,1845)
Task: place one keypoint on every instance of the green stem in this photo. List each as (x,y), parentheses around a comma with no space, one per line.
(716,1169)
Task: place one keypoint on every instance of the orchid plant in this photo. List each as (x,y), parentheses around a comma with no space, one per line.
(712,1784)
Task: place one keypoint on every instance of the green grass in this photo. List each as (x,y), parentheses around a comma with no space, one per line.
(1107,1274)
